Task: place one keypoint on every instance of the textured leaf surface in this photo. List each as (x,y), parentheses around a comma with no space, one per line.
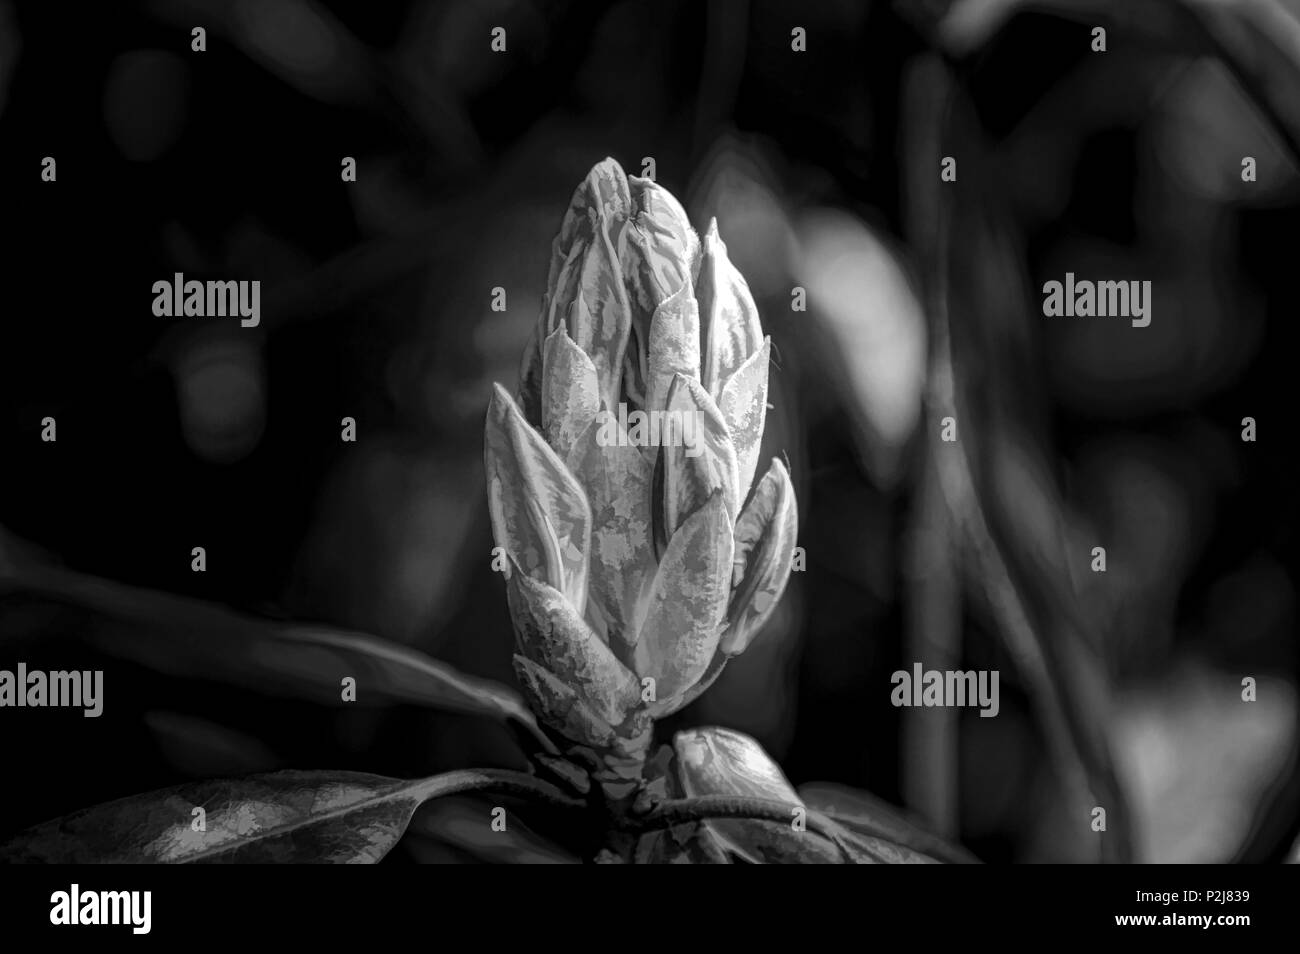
(621,567)
(283,817)
(662,251)
(865,815)
(687,602)
(553,635)
(713,761)
(744,409)
(603,194)
(570,392)
(600,318)
(688,481)
(728,315)
(765,540)
(674,346)
(560,706)
(539,512)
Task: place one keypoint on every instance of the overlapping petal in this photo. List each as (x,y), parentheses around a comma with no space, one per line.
(559,706)
(744,409)
(662,250)
(692,472)
(539,512)
(765,542)
(552,633)
(728,315)
(687,602)
(674,345)
(601,318)
(570,392)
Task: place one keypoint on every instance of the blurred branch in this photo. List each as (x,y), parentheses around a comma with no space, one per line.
(930,736)
(1071,729)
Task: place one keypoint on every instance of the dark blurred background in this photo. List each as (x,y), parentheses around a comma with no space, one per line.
(175,433)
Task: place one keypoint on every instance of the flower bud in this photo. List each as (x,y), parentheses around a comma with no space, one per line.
(637,568)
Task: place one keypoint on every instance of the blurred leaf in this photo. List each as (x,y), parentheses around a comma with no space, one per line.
(1259,40)
(189,638)
(714,761)
(301,42)
(1046,637)
(284,817)
(878,826)
(146,94)
(1200,762)
(199,748)
(466,824)
(870,329)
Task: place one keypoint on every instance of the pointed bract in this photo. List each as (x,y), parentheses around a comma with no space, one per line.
(601,318)
(559,706)
(691,474)
(604,197)
(765,540)
(570,392)
(687,601)
(662,250)
(595,218)
(540,514)
(674,346)
(744,409)
(728,315)
(553,635)
(713,450)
